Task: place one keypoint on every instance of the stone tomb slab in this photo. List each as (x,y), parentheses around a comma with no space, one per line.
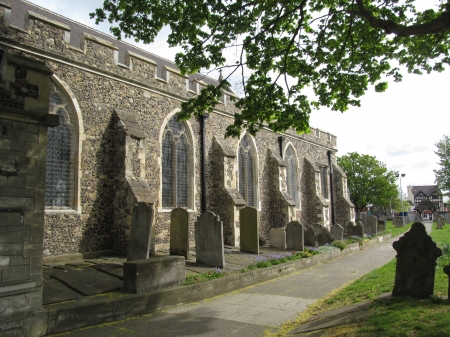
(54,292)
(114,269)
(88,281)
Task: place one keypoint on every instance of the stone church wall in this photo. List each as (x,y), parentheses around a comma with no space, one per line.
(100,74)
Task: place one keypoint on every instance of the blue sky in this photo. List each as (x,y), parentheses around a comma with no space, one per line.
(399,127)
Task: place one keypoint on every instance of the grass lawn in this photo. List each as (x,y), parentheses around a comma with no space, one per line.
(400,316)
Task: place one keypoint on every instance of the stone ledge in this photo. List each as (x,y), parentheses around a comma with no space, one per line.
(96,310)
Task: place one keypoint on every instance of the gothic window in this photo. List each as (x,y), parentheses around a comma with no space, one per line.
(246,171)
(61,150)
(324,181)
(291,170)
(176,157)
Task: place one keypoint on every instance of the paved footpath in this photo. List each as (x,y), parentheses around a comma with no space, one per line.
(250,311)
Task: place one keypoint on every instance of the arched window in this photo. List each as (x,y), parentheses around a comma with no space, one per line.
(247,171)
(291,171)
(61,154)
(176,157)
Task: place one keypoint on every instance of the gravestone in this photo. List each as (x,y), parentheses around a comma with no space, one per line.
(382,218)
(447,218)
(317,229)
(440,222)
(416,263)
(435,216)
(295,236)
(355,230)
(278,237)
(140,233)
(381,228)
(209,240)
(248,220)
(325,237)
(399,221)
(309,236)
(447,272)
(179,232)
(337,231)
(370,226)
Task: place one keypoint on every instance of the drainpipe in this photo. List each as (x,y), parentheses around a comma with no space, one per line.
(281,143)
(330,153)
(203,118)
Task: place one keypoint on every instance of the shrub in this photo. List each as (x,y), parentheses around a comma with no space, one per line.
(339,244)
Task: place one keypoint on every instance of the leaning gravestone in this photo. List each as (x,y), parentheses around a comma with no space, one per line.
(179,232)
(278,237)
(295,236)
(248,220)
(140,234)
(209,240)
(440,222)
(355,230)
(337,231)
(416,263)
(317,228)
(309,236)
(370,227)
(325,237)
(399,221)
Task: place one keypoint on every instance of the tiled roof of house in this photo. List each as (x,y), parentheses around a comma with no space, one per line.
(427,190)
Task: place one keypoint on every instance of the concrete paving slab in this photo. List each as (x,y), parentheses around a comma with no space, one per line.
(114,269)
(55,292)
(89,281)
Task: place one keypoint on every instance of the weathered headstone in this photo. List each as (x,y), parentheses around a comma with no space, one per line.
(140,233)
(370,226)
(382,218)
(399,221)
(248,220)
(435,216)
(309,236)
(440,222)
(355,230)
(381,228)
(278,237)
(317,228)
(416,263)
(325,237)
(295,236)
(209,240)
(179,232)
(447,217)
(337,231)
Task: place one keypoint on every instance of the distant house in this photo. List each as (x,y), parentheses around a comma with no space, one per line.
(417,194)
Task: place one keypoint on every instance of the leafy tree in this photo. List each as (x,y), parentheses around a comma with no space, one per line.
(368,179)
(337,48)
(443,174)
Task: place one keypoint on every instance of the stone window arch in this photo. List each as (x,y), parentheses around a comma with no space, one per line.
(61,184)
(176,162)
(248,181)
(291,174)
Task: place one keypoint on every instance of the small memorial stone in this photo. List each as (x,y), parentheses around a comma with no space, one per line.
(248,220)
(440,222)
(416,263)
(278,237)
(179,232)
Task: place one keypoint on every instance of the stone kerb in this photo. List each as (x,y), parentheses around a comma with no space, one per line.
(179,232)
(295,236)
(248,220)
(140,233)
(337,231)
(416,263)
(277,237)
(209,240)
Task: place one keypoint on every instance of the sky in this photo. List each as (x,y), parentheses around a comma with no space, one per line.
(400,127)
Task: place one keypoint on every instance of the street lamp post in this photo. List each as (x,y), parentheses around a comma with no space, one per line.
(401,191)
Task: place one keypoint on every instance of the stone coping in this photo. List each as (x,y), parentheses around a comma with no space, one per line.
(115,306)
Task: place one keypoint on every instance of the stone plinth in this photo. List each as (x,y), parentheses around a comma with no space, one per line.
(154,273)
(416,263)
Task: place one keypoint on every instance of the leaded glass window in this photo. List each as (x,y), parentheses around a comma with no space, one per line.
(59,180)
(246,171)
(175,165)
(324,181)
(291,168)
